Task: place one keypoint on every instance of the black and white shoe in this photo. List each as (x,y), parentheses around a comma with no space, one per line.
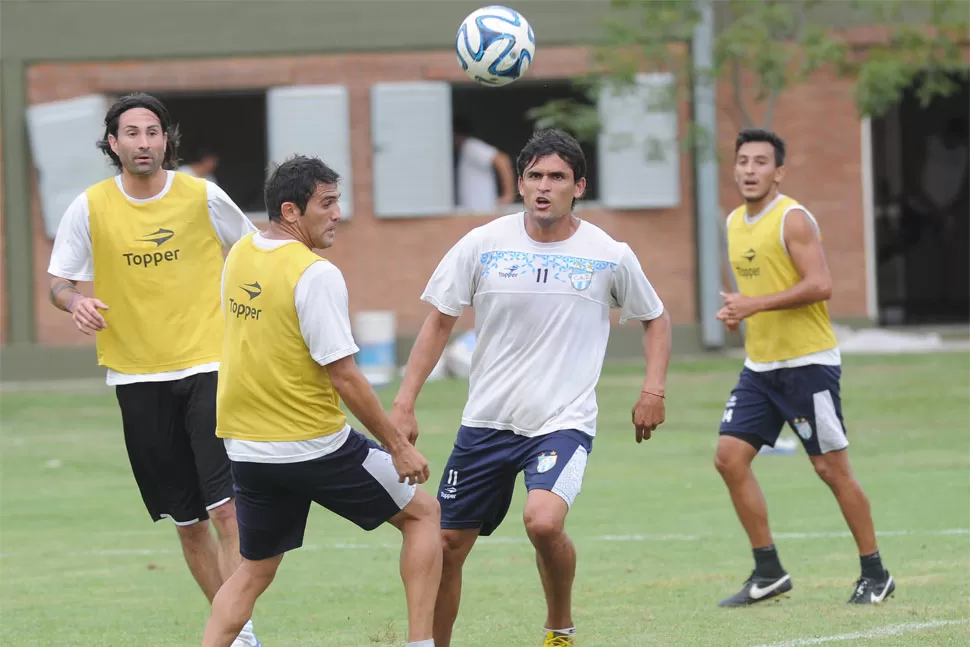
(869,590)
(758,589)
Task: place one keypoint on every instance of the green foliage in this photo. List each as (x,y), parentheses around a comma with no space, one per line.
(781,43)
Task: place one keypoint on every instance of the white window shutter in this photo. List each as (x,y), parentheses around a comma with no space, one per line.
(634,129)
(62,136)
(411,133)
(312,120)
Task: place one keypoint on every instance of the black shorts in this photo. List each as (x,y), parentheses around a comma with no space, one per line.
(179,463)
(357,481)
(805,397)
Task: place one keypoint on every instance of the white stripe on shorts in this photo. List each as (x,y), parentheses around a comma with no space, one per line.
(379,465)
(831,434)
(570,480)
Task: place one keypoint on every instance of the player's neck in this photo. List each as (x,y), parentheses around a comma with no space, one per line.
(553,233)
(283,231)
(142,187)
(755,207)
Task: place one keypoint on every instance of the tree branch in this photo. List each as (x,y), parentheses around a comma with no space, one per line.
(738,91)
(770,110)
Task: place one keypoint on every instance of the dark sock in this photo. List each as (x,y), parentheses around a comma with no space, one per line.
(872,566)
(766,562)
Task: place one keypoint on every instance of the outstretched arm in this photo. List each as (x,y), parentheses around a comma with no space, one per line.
(427,350)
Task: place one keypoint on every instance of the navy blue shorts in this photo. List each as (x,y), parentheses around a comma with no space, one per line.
(357,482)
(479,479)
(806,397)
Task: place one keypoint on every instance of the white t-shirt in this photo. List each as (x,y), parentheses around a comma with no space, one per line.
(542,320)
(322,307)
(72,257)
(476,176)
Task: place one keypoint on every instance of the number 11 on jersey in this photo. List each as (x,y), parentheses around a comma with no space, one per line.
(542,275)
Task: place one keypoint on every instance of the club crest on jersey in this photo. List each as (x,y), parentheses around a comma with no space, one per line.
(581,280)
(803,428)
(546,462)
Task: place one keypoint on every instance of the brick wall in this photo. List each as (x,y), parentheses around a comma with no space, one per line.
(372,252)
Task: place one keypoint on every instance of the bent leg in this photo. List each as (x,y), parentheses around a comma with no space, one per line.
(419,523)
(233,604)
(545,518)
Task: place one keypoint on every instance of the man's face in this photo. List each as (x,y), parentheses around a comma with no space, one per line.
(140,143)
(319,220)
(548,188)
(755,171)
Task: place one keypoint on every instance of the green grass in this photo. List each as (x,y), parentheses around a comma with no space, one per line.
(83,565)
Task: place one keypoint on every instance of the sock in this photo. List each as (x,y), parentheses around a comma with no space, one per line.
(766,562)
(422,643)
(872,566)
(246,637)
(571,631)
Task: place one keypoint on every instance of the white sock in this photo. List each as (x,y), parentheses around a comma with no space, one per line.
(571,631)
(422,643)
(246,637)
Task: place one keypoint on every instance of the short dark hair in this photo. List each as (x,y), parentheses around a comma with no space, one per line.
(294,181)
(761,135)
(148,102)
(553,142)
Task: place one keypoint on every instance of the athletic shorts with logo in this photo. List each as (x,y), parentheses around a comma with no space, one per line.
(179,464)
(479,479)
(357,481)
(805,397)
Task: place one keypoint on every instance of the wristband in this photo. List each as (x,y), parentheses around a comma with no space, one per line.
(654,394)
(70,304)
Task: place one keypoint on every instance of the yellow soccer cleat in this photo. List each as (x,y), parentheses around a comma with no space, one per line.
(558,640)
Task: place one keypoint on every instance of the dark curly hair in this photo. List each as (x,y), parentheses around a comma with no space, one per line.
(148,102)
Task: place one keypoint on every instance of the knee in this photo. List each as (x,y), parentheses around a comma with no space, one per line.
(194,534)
(832,474)
(224,517)
(425,508)
(543,524)
(726,464)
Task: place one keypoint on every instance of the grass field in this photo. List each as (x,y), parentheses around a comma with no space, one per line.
(658,542)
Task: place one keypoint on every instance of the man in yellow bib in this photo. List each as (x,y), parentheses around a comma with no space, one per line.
(792,371)
(151,239)
(287,363)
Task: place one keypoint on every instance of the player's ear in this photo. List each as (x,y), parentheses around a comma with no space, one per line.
(521,187)
(779,174)
(290,212)
(580,188)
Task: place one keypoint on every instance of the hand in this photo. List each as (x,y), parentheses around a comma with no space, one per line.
(411,466)
(737,306)
(729,321)
(404,419)
(648,414)
(84,311)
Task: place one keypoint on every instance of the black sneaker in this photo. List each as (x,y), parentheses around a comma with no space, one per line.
(869,590)
(758,589)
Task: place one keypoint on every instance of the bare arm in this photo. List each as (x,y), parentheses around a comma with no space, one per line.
(356,391)
(657,343)
(805,250)
(63,291)
(84,310)
(503,164)
(425,354)
(806,253)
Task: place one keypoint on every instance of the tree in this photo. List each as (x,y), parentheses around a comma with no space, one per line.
(781,43)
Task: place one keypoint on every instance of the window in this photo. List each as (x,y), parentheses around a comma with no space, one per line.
(414,170)
(497,116)
(233,125)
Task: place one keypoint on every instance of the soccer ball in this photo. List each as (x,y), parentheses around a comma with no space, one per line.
(495,45)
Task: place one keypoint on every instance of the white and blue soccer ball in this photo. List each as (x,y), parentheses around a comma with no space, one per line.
(495,45)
